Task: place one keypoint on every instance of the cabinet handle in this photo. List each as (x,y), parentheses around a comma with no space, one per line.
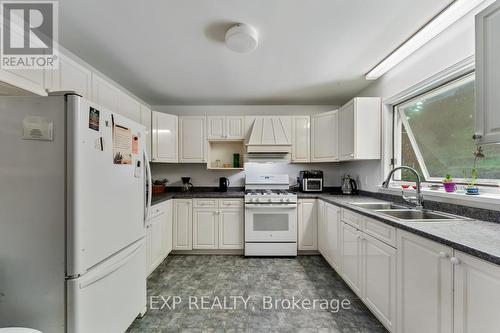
(455,261)
(477,136)
(443,254)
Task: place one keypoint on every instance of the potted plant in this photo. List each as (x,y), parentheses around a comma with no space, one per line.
(449,185)
(159,185)
(471,188)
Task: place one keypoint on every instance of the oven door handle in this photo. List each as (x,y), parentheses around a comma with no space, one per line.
(275,206)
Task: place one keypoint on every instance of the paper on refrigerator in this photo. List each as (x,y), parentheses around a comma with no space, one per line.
(122,145)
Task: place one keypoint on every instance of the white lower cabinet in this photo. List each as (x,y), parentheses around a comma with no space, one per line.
(477,295)
(321,228)
(378,283)
(215,224)
(351,257)
(425,285)
(333,236)
(183,224)
(307,224)
(231,228)
(158,234)
(205,228)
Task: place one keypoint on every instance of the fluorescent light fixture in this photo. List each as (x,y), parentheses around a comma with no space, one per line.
(441,22)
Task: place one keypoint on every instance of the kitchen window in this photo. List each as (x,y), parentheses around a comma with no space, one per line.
(433,134)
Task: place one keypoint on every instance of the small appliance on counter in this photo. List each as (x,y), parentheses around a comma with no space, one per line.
(223,184)
(186,184)
(311,181)
(159,185)
(349,185)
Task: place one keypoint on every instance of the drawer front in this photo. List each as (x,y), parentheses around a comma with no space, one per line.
(352,218)
(231,203)
(157,210)
(381,231)
(206,203)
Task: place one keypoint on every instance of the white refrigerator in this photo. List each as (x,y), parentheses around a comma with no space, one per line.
(72,207)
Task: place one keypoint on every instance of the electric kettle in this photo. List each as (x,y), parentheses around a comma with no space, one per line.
(349,185)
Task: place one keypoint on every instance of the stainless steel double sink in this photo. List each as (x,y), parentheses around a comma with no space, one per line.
(407,214)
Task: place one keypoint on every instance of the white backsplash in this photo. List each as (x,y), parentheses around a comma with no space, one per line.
(200,176)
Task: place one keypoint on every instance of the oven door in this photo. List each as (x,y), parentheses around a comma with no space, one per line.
(270,222)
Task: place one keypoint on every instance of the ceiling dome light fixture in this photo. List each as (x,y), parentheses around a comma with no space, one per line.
(242,38)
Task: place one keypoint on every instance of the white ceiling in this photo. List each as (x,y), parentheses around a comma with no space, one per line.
(172,52)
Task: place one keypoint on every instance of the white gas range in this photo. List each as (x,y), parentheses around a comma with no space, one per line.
(270,216)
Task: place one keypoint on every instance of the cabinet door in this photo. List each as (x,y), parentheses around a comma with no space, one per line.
(347,131)
(167,232)
(324,138)
(333,236)
(301,139)
(129,107)
(231,229)
(193,143)
(146,121)
(205,228)
(307,224)
(157,240)
(488,74)
(235,127)
(321,228)
(379,280)
(104,93)
(425,285)
(31,80)
(477,295)
(351,257)
(183,225)
(215,127)
(164,138)
(149,246)
(71,76)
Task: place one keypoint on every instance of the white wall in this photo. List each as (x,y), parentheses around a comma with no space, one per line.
(450,47)
(184,110)
(203,177)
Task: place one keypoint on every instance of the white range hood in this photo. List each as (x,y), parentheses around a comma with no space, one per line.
(270,139)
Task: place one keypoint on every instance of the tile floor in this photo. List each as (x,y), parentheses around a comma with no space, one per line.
(305,277)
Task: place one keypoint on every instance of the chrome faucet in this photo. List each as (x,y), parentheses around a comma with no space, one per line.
(418,199)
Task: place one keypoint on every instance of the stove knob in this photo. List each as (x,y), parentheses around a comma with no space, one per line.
(287,199)
(282,200)
(269,200)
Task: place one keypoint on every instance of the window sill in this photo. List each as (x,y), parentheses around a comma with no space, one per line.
(485,200)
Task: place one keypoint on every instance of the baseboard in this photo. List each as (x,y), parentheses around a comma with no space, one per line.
(208,252)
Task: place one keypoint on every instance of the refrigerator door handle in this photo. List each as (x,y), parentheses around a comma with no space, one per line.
(101,275)
(150,185)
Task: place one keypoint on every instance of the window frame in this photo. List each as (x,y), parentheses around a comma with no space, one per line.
(399,121)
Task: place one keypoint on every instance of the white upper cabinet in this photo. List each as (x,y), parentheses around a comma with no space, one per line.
(192,139)
(104,93)
(360,129)
(234,127)
(129,107)
(107,95)
(301,139)
(30,80)
(146,121)
(488,75)
(164,138)
(324,137)
(71,76)
(215,127)
(225,127)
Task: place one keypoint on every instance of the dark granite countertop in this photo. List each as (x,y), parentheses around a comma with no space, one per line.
(157,198)
(478,238)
